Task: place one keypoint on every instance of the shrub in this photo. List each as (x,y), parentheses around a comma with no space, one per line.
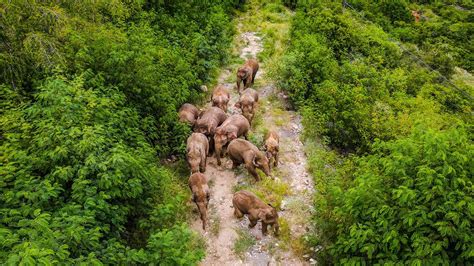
(89,94)
(410,202)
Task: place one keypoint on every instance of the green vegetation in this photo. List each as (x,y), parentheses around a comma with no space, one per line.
(243,243)
(89,93)
(442,34)
(396,186)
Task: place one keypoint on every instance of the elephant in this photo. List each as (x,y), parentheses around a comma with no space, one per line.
(232,128)
(220,97)
(246,74)
(246,202)
(197,149)
(242,151)
(209,120)
(207,123)
(247,103)
(271,146)
(198,184)
(188,113)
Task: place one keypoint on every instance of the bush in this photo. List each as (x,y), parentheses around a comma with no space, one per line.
(395,184)
(410,202)
(89,94)
(351,78)
(77,171)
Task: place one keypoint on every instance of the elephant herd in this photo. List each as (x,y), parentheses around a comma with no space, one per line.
(215,131)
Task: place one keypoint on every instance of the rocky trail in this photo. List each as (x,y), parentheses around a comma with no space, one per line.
(224,230)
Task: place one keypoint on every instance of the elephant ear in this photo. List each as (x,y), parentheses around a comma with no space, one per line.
(262,215)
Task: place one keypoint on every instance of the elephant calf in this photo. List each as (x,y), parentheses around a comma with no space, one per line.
(247,103)
(197,148)
(242,151)
(188,113)
(271,146)
(232,128)
(246,202)
(198,184)
(220,97)
(246,74)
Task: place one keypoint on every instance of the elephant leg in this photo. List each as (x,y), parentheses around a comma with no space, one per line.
(218,156)
(211,146)
(246,135)
(250,81)
(253,172)
(238,84)
(264,228)
(202,166)
(276,160)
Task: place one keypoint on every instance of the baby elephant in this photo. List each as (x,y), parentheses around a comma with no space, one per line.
(188,113)
(247,103)
(220,97)
(232,128)
(196,152)
(246,74)
(271,146)
(246,202)
(242,151)
(198,184)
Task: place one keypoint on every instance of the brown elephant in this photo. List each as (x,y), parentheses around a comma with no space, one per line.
(220,97)
(246,202)
(246,74)
(198,184)
(232,128)
(247,103)
(271,146)
(197,149)
(242,151)
(188,113)
(209,120)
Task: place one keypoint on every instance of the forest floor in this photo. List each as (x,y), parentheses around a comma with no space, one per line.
(229,240)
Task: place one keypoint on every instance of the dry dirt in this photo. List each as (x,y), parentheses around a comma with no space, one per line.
(296,207)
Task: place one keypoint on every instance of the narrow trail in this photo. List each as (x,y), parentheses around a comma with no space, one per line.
(224,228)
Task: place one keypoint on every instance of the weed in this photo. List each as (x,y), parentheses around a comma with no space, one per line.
(285,233)
(243,243)
(214,221)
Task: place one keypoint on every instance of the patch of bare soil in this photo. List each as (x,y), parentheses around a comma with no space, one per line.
(223,227)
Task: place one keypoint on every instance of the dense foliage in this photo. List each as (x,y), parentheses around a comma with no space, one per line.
(404,195)
(442,32)
(89,93)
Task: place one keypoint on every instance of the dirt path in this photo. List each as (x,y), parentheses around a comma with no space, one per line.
(291,176)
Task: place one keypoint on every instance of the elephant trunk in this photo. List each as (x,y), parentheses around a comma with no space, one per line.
(266,169)
(203,211)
